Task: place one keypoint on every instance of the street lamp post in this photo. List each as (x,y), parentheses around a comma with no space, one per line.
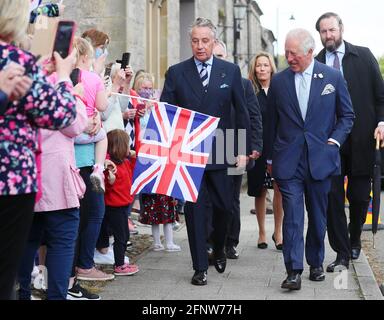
(291,19)
(239,12)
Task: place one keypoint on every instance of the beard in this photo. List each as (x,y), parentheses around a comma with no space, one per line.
(332,45)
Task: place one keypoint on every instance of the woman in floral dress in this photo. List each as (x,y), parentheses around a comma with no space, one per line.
(37,105)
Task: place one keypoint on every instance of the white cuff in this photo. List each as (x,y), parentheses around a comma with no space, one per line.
(334,141)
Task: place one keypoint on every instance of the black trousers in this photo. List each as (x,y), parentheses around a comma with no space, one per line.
(341,235)
(216,189)
(16,213)
(116,221)
(234,224)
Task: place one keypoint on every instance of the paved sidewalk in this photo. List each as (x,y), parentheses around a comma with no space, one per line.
(256,275)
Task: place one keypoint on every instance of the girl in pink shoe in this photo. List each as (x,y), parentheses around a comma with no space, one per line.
(118,198)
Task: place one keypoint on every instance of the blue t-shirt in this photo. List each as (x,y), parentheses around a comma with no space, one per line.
(85,155)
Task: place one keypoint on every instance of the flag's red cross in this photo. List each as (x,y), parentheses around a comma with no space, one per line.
(173,151)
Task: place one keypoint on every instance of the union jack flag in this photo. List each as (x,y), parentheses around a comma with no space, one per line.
(173,152)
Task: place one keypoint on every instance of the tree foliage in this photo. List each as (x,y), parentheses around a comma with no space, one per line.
(381,64)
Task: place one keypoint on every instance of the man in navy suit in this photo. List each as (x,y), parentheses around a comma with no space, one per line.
(212,86)
(256,141)
(310,116)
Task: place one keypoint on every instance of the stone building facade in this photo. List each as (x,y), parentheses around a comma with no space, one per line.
(155,32)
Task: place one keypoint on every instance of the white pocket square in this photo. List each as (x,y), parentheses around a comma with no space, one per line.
(223,86)
(328,89)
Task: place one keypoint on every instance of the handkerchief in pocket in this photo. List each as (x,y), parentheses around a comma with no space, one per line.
(328,89)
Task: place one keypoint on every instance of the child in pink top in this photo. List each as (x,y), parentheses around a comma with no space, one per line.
(95,99)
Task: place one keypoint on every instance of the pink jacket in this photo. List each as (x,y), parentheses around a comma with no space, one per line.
(59,167)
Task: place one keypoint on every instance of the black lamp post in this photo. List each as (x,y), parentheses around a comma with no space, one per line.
(239,12)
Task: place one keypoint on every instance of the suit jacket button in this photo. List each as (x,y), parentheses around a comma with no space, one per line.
(205,91)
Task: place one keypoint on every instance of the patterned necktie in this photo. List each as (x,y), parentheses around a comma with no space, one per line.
(303,96)
(204,74)
(336,62)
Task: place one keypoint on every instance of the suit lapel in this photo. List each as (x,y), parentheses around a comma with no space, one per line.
(217,75)
(321,56)
(217,72)
(192,76)
(316,85)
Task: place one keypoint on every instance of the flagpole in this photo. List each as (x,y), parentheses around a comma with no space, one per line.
(155,101)
(133,97)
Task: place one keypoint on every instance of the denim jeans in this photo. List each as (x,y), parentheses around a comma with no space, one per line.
(59,229)
(91,217)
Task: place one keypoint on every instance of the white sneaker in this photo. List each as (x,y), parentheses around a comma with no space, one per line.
(173,248)
(175,225)
(41,280)
(101,258)
(35,273)
(107,258)
(158,247)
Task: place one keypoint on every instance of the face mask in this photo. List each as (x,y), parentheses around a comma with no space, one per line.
(145,93)
(99,52)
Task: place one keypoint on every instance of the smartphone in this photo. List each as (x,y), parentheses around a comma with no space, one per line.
(75,76)
(124,60)
(64,37)
(108,69)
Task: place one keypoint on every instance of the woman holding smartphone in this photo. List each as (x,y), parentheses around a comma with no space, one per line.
(35,104)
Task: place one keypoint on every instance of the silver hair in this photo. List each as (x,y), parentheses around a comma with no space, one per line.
(203,22)
(307,42)
(224,46)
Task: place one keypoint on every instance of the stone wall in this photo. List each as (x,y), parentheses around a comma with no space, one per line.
(107,16)
(127,23)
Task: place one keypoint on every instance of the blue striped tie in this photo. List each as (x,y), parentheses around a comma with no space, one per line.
(204,74)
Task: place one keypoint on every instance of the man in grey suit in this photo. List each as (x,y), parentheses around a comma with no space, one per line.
(212,86)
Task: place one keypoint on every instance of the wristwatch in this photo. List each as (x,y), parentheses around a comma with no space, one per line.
(3,102)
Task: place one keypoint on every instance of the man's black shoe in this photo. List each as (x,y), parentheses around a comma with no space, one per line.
(292,282)
(231,252)
(355,253)
(338,264)
(199,278)
(316,274)
(220,264)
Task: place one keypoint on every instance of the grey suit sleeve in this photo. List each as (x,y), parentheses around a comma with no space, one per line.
(256,132)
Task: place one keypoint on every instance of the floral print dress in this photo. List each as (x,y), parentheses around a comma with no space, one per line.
(43,107)
(158,209)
